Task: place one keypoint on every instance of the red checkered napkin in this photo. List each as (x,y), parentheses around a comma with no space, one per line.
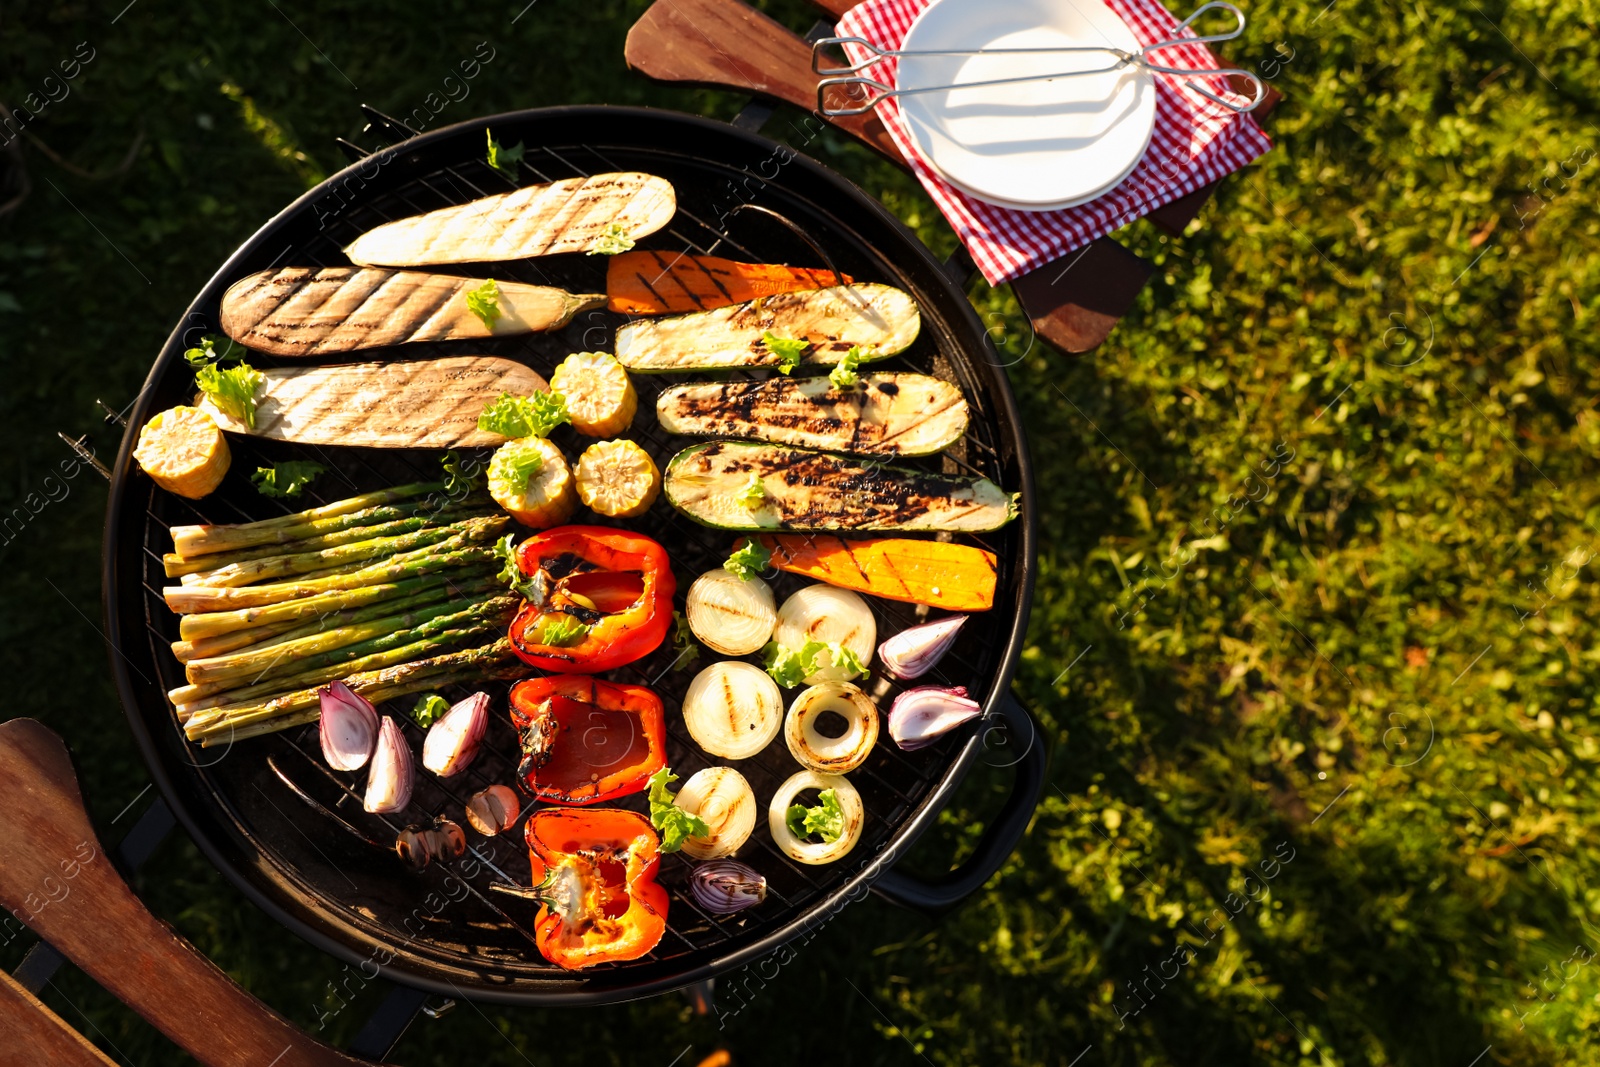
(1196,142)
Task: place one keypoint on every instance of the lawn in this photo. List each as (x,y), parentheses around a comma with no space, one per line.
(1318,521)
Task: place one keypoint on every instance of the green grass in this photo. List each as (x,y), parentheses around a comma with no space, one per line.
(1377,666)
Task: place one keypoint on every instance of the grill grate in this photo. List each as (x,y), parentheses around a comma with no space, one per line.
(475,935)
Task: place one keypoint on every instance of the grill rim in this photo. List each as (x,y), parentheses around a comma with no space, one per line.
(248,873)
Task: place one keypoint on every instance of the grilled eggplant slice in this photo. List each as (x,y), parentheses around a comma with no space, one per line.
(886,415)
(880,319)
(801,490)
(541,220)
(310,311)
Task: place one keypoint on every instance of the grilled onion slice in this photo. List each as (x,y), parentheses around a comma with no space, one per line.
(733,709)
(827,614)
(730,614)
(832,755)
(798,848)
(724,801)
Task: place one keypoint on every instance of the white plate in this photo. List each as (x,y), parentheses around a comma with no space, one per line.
(1033,145)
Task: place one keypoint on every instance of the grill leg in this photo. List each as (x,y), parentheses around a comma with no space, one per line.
(702,995)
(385,1026)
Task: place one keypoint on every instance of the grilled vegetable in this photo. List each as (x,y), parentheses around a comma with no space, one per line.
(722,799)
(723,887)
(253,718)
(618,479)
(733,710)
(493,810)
(676,824)
(453,739)
(570,215)
(614,585)
(730,614)
(914,652)
(393,772)
(817,751)
(821,491)
(309,311)
(957,577)
(585,741)
(529,478)
(183,452)
(595,880)
(833,617)
(600,396)
(921,716)
(887,414)
(349,728)
(831,321)
(382,506)
(836,819)
(661,283)
(425,403)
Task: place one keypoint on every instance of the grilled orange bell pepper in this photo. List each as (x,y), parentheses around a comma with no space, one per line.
(585,741)
(597,598)
(594,871)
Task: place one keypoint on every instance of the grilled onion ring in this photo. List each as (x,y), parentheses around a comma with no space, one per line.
(831,755)
(798,848)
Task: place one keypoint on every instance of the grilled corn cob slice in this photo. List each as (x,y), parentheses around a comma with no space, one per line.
(530,479)
(183,451)
(618,479)
(600,396)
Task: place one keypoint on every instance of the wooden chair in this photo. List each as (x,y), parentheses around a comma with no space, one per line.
(60,881)
(1073,303)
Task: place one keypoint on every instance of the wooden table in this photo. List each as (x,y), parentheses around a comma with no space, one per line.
(1073,302)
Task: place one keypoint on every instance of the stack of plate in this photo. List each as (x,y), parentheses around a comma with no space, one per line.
(1031,145)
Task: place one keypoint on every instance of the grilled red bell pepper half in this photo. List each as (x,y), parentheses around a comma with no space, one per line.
(585,741)
(596,598)
(594,874)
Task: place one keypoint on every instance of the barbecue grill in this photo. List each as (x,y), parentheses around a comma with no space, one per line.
(291,834)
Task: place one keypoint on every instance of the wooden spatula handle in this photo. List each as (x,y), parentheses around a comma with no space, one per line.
(58,879)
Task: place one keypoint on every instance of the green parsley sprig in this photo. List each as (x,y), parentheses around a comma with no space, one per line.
(511,570)
(515,463)
(563,632)
(683,640)
(484,302)
(525,416)
(844,375)
(675,824)
(428,709)
(752,494)
(787,349)
(504,159)
(613,242)
(749,560)
(790,666)
(286,479)
(232,389)
(826,819)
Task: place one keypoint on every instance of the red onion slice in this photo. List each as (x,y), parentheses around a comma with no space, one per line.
(452,742)
(349,727)
(921,716)
(723,887)
(912,653)
(393,772)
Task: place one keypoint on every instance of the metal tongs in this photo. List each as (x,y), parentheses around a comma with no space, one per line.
(848,76)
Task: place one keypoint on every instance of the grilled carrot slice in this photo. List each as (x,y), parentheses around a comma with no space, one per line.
(664,283)
(942,575)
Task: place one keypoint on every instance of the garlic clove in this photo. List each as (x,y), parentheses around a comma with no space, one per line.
(453,741)
(420,845)
(349,727)
(913,652)
(921,716)
(393,771)
(493,810)
(723,887)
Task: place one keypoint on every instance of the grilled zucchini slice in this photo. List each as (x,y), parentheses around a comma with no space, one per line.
(885,415)
(802,490)
(879,319)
